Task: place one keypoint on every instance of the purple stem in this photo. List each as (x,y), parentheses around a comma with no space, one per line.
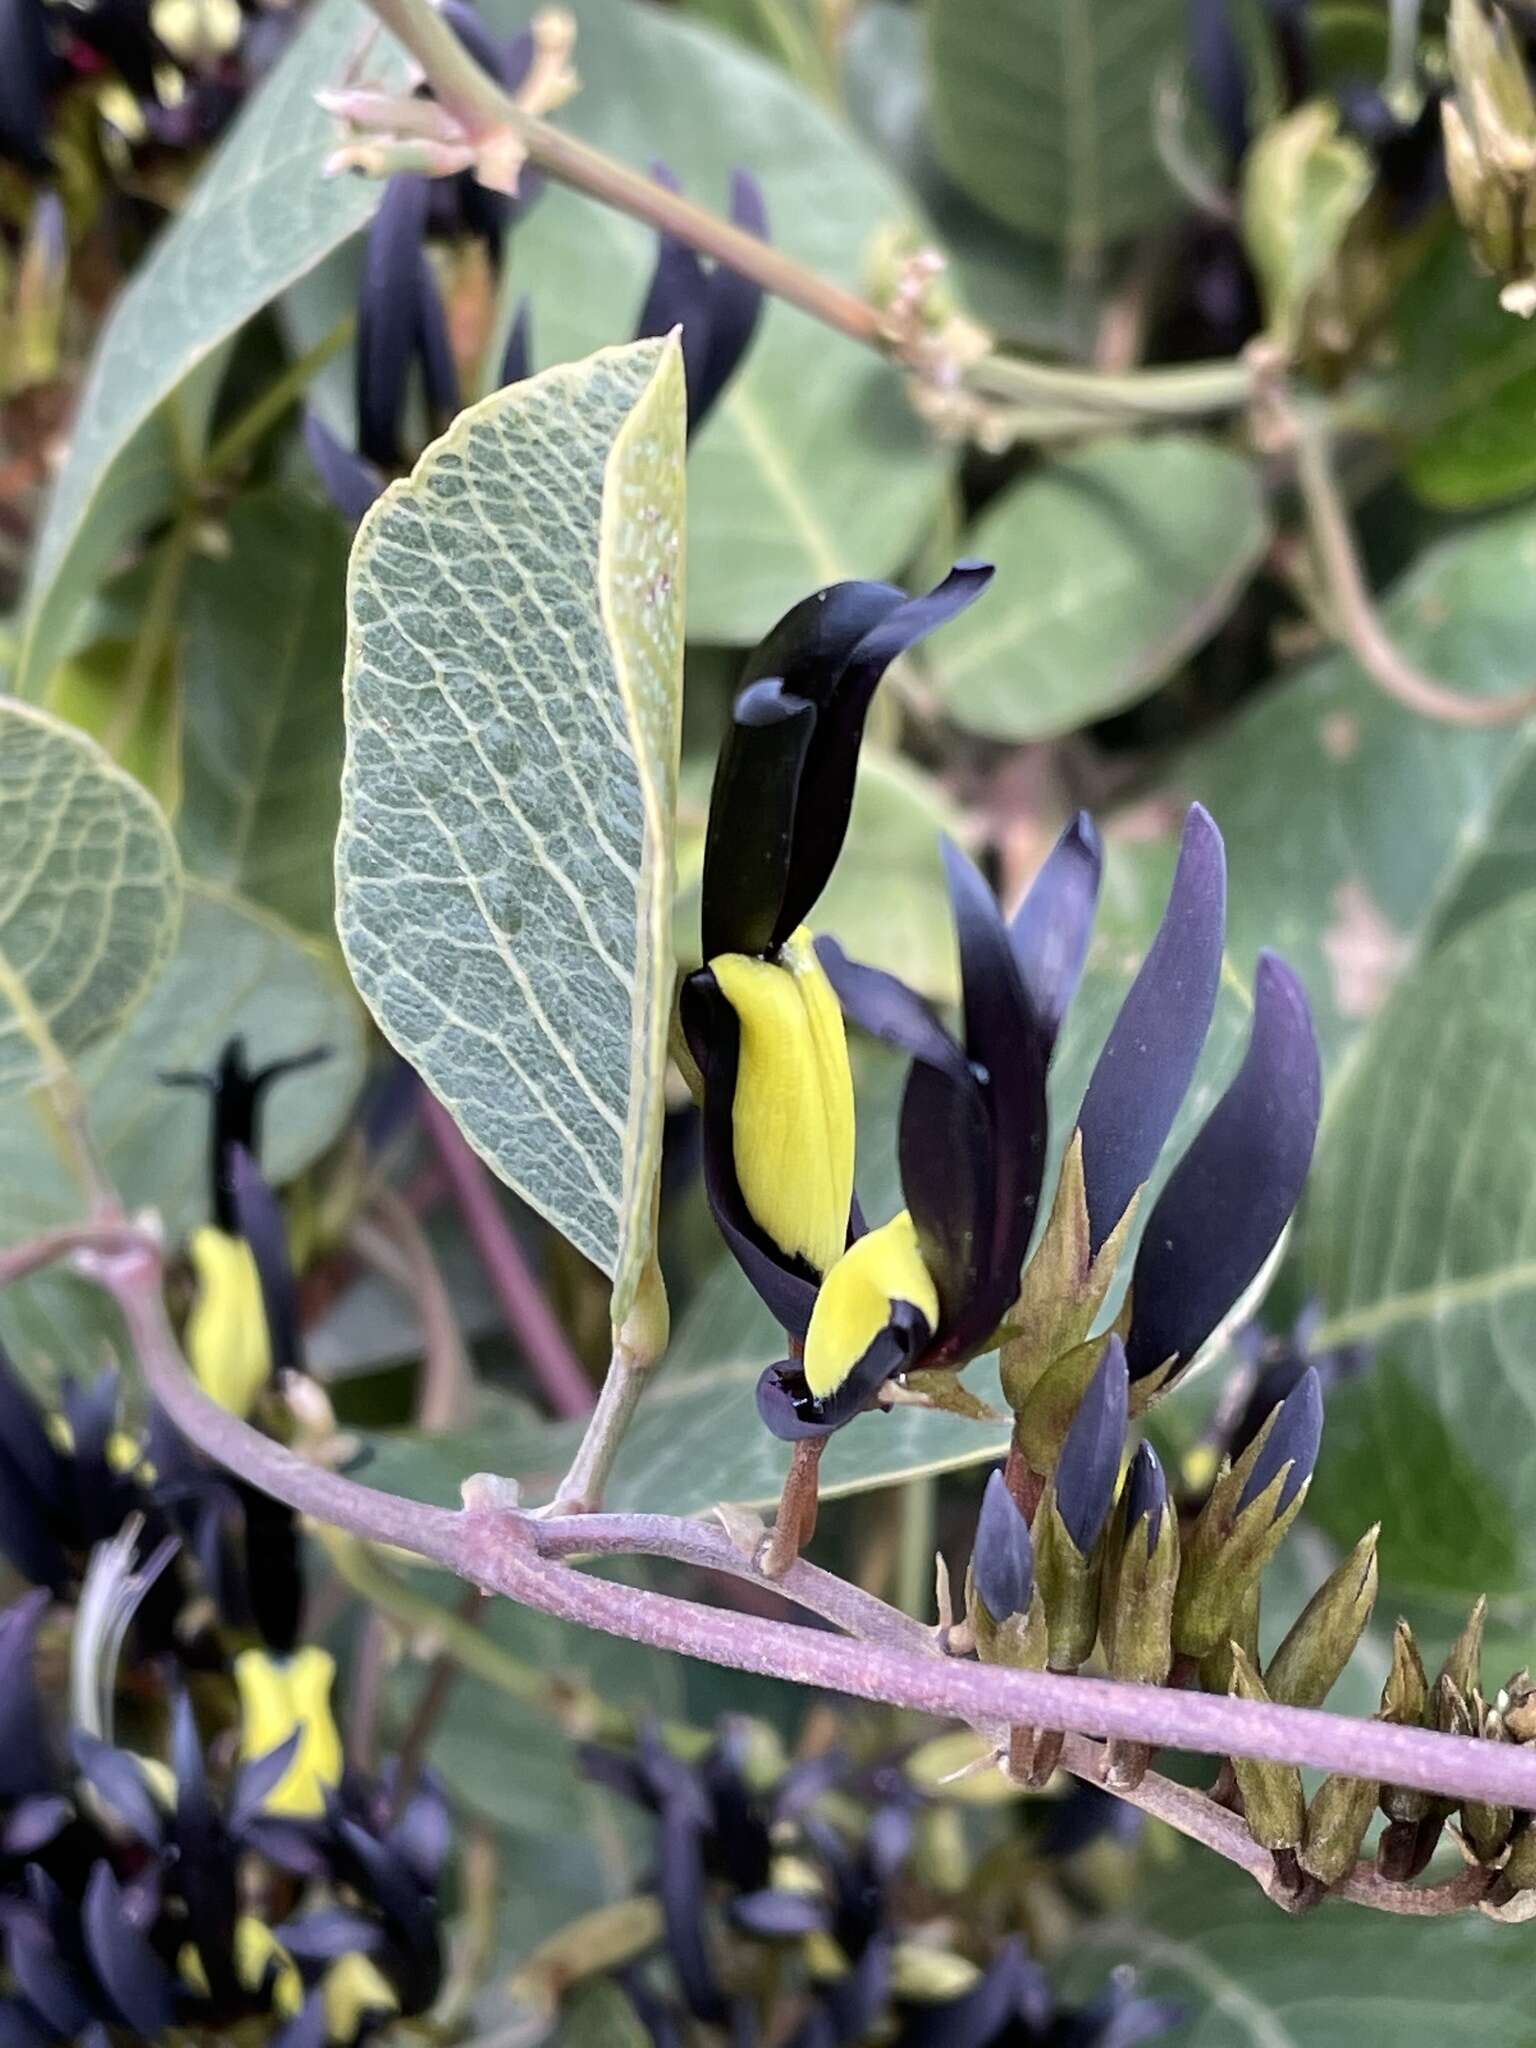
(555,1366)
(515,1555)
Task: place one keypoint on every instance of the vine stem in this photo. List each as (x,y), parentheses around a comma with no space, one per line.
(484,112)
(501,1552)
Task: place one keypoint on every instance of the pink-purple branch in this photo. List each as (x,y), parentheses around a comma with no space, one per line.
(518,1556)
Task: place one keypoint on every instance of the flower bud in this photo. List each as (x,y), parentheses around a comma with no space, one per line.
(1463,1665)
(1324,1636)
(1251,1507)
(1337,1819)
(1141,1574)
(1273,1801)
(1075,1512)
(1487,1828)
(1002,1576)
(1489,123)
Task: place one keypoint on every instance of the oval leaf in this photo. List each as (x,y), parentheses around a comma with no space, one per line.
(1111,567)
(90,892)
(504,867)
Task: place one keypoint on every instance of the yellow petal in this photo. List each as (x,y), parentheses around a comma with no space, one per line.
(257,1949)
(355,1990)
(226,1335)
(792,1118)
(277,1695)
(856,1299)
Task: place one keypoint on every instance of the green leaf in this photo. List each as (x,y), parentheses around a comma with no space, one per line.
(1042,112)
(90,892)
(1112,565)
(233,970)
(260,216)
(1359,836)
(812,468)
(265,630)
(1461,391)
(514,675)
(1246,1976)
(1421,1242)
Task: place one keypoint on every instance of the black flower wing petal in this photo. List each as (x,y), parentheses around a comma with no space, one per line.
(753,814)
(1051,927)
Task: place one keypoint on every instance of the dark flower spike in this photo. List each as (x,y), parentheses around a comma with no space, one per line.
(1003,1559)
(829,651)
(1154,1045)
(1146,1496)
(259,1220)
(133,1976)
(717,308)
(258,1779)
(351,481)
(1051,927)
(1227,1201)
(1089,1464)
(26,71)
(238,1092)
(1293,1442)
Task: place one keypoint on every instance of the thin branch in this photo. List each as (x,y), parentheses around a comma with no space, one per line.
(499,1552)
(23,1260)
(528,1315)
(1351,609)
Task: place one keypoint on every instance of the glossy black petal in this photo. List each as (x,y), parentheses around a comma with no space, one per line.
(1294,1441)
(735,306)
(1146,1497)
(833,649)
(1003,1558)
(133,1976)
(791,1411)
(26,1763)
(1089,1465)
(1052,926)
(389,316)
(274,1568)
(517,356)
(713,1032)
(753,810)
(351,482)
(681,1888)
(238,1091)
(1149,1058)
(26,73)
(259,1220)
(1231,1195)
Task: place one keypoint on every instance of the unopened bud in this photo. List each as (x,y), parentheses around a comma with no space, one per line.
(1273,1800)
(1063,1291)
(1141,1573)
(1002,1575)
(1520,1864)
(1324,1636)
(1216,1665)
(1489,124)
(1405,1704)
(1487,1828)
(1464,1663)
(1069,1586)
(1337,1819)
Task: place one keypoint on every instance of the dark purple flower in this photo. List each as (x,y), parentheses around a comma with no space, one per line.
(716,307)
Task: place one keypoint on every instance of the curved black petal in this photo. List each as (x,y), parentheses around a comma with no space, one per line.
(116,1777)
(1220,75)
(351,483)
(133,1976)
(680,1884)
(778,1915)
(1051,927)
(735,305)
(887,1009)
(260,1776)
(713,1032)
(1294,1441)
(678,296)
(1149,1058)
(517,356)
(753,810)
(259,1220)
(389,315)
(56,1986)
(835,647)
(1089,1464)
(1146,1496)
(1003,1557)
(1232,1193)
(237,1091)
(25,76)
(26,1765)
(789,1408)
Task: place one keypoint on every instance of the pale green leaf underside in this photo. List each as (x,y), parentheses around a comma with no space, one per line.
(1112,565)
(90,892)
(1042,111)
(233,970)
(504,864)
(1421,1242)
(259,217)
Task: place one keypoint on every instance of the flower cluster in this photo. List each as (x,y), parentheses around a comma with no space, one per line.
(794,1906)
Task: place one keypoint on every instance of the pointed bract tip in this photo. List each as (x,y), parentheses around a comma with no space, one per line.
(1003,1560)
(1146,1495)
(1089,1465)
(1294,1439)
